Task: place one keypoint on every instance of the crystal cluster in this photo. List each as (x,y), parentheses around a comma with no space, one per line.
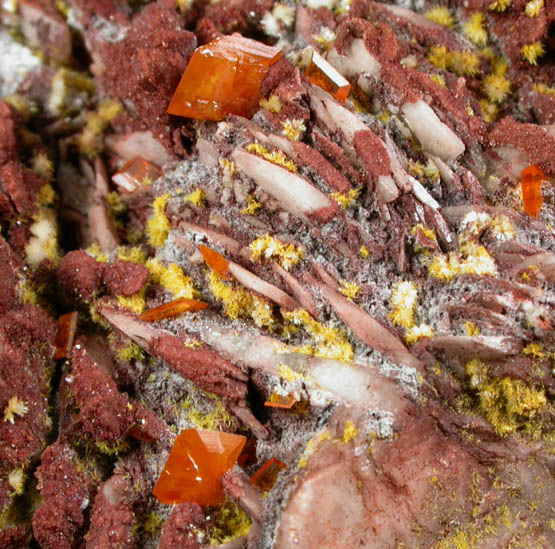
(369,228)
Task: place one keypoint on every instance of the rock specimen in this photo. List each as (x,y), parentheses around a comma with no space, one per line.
(310,305)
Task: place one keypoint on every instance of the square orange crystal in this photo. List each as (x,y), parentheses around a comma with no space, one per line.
(322,74)
(195,466)
(223,77)
(266,476)
(285,402)
(135,173)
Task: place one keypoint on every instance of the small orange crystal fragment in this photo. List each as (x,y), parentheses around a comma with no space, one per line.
(135,173)
(280,401)
(248,454)
(223,77)
(320,73)
(67,325)
(266,476)
(173,308)
(195,466)
(532,199)
(216,261)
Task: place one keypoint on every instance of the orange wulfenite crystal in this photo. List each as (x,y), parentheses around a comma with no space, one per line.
(223,77)
(532,198)
(320,73)
(67,325)
(248,454)
(266,476)
(135,173)
(280,401)
(173,308)
(195,466)
(216,261)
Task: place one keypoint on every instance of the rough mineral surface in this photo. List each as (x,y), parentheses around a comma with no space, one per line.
(79,275)
(65,496)
(124,277)
(360,283)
